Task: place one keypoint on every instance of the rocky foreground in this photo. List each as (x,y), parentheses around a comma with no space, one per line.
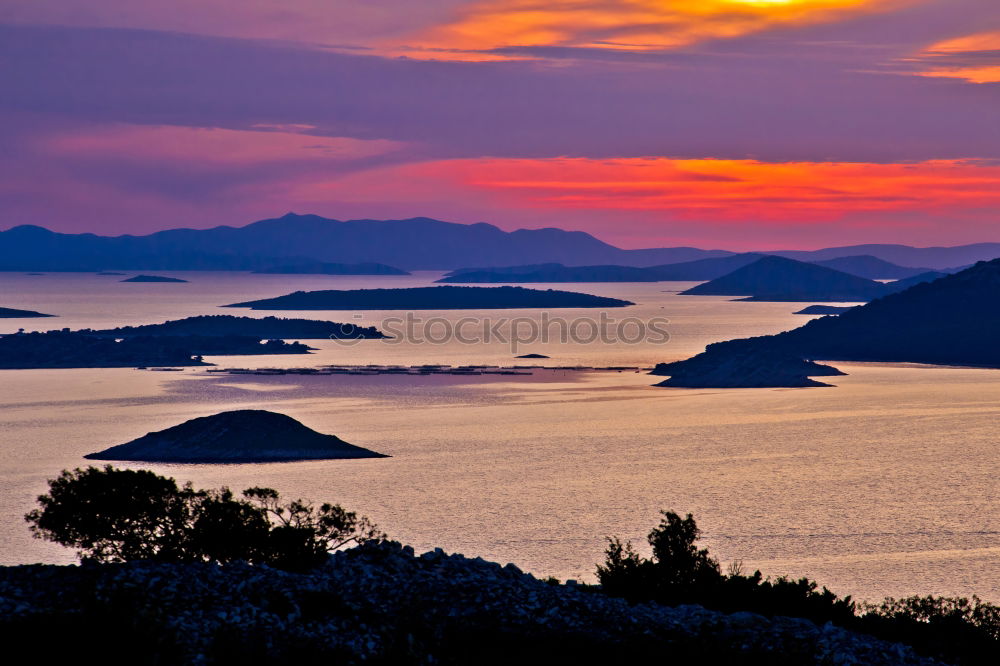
(380,603)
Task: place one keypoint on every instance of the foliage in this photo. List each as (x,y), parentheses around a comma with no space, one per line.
(681,573)
(954,629)
(116,515)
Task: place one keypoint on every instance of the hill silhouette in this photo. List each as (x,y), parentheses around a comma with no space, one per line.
(432,298)
(554,273)
(774,278)
(242,436)
(906,283)
(870,267)
(260,328)
(332,268)
(745,368)
(954,320)
(824,309)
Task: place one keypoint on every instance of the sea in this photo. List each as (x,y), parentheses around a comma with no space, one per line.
(885,484)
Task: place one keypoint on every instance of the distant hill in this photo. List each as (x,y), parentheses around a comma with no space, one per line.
(870,267)
(432,298)
(418,243)
(701,269)
(954,320)
(14,313)
(779,279)
(328,268)
(242,436)
(937,258)
(556,273)
(265,328)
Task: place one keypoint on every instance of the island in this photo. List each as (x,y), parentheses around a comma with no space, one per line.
(954,320)
(109,273)
(824,310)
(532,356)
(327,268)
(773,278)
(749,369)
(241,436)
(260,328)
(152,278)
(78,349)
(14,313)
(433,298)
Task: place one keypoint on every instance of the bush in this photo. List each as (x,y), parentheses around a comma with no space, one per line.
(116,515)
(681,573)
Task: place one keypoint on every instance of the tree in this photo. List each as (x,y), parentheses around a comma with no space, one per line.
(115,515)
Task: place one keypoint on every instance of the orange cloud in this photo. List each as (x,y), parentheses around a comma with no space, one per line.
(632,24)
(724,190)
(975,58)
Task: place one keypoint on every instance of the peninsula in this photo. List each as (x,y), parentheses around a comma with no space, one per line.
(14,313)
(433,298)
(242,436)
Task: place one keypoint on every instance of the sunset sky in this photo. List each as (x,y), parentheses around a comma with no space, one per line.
(737,124)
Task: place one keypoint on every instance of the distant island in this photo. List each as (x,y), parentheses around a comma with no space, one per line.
(774,278)
(824,310)
(954,320)
(260,328)
(325,268)
(433,298)
(906,283)
(242,436)
(152,278)
(532,356)
(870,267)
(69,349)
(108,273)
(14,313)
(749,369)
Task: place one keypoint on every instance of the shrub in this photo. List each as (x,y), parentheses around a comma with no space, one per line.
(116,515)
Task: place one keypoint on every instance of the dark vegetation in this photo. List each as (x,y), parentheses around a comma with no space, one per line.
(14,313)
(74,349)
(433,298)
(954,630)
(118,515)
(445,606)
(260,328)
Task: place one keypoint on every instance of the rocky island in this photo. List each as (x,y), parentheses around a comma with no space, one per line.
(14,313)
(433,298)
(152,278)
(257,327)
(332,268)
(773,278)
(243,436)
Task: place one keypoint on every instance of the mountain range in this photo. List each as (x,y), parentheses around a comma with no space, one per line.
(412,244)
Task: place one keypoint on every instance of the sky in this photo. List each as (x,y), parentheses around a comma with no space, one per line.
(736,124)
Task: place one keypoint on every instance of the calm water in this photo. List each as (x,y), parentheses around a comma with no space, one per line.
(884,485)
